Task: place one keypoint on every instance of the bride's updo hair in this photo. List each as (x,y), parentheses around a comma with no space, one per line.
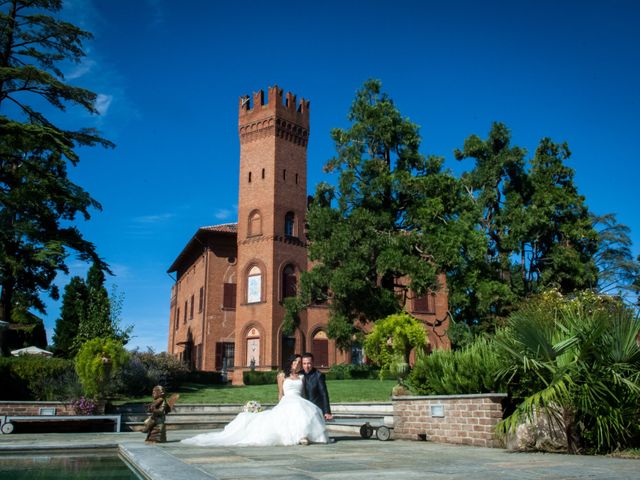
(287,366)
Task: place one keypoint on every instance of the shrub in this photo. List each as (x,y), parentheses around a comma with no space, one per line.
(348,371)
(97,363)
(473,369)
(254,377)
(31,377)
(579,356)
(390,342)
(145,370)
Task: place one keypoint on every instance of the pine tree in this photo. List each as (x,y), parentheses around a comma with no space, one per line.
(37,199)
(72,313)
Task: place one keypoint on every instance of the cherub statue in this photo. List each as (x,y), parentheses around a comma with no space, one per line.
(154,425)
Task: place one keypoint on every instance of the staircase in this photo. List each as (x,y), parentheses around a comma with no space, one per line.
(348,417)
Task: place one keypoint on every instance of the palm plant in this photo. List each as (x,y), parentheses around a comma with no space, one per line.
(580,365)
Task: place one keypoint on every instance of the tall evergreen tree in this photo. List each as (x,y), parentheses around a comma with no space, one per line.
(536,225)
(97,318)
(72,312)
(387,229)
(37,199)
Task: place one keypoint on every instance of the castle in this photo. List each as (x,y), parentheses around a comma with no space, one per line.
(231,279)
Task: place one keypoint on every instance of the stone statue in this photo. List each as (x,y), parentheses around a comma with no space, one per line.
(154,425)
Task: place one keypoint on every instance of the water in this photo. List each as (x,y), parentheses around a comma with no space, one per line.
(63,465)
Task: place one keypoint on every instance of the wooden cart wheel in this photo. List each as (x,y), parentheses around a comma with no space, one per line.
(7,428)
(366,431)
(383,433)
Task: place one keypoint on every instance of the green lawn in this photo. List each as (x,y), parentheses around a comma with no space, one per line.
(339,391)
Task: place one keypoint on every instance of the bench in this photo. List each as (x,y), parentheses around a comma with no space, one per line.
(67,423)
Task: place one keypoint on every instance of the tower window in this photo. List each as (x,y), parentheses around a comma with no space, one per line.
(289,224)
(296,178)
(263,173)
(289,282)
(249,177)
(284,174)
(254,285)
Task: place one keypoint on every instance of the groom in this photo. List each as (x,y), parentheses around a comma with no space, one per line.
(314,387)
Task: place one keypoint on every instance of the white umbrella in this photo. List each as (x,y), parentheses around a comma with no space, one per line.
(30,351)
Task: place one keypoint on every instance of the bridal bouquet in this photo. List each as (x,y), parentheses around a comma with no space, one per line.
(252,407)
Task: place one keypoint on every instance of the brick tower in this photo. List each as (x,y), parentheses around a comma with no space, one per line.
(271,208)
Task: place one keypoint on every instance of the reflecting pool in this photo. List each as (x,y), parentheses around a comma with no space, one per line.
(91,464)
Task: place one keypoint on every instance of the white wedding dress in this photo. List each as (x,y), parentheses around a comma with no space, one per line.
(291,420)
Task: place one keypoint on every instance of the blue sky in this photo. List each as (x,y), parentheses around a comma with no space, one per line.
(169,75)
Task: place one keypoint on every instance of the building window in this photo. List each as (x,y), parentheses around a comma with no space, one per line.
(201,300)
(284,174)
(225,352)
(296,178)
(289,282)
(289,224)
(191,309)
(263,173)
(186,306)
(229,296)
(255,223)
(177,319)
(424,303)
(254,285)
(249,177)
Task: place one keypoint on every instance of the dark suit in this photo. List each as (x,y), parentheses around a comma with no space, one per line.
(314,389)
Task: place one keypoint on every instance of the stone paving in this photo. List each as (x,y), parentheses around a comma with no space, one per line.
(349,457)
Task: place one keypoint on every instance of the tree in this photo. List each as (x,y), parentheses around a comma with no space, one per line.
(618,271)
(37,199)
(386,230)
(71,315)
(535,223)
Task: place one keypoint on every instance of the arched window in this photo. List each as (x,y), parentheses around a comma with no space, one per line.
(320,349)
(255,223)
(289,282)
(289,224)
(254,285)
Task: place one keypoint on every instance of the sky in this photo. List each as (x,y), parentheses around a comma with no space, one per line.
(169,74)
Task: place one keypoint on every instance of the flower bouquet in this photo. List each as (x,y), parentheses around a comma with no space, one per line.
(252,406)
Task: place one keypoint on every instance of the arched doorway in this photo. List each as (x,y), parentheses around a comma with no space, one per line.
(253,348)
(288,348)
(320,349)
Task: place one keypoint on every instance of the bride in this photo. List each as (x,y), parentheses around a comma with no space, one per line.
(292,421)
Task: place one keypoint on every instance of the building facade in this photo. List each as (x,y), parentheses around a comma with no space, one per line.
(231,280)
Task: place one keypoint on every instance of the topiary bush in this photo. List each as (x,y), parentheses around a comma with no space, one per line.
(97,363)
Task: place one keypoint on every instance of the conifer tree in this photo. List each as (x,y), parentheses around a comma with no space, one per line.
(72,313)
(37,199)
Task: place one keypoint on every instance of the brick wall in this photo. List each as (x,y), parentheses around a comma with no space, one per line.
(466,419)
(33,408)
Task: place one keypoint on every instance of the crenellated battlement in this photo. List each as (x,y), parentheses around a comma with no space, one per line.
(280,114)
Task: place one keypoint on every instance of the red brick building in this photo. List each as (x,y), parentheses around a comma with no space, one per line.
(231,279)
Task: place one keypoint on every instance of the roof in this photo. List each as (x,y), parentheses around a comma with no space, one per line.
(30,351)
(223,229)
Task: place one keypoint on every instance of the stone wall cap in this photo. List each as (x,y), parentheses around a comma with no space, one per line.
(449,397)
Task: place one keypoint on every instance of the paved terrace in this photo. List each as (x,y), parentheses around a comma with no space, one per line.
(349,457)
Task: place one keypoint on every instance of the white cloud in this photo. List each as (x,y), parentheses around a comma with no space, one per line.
(222,213)
(81,69)
(103,102)
(151,219)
